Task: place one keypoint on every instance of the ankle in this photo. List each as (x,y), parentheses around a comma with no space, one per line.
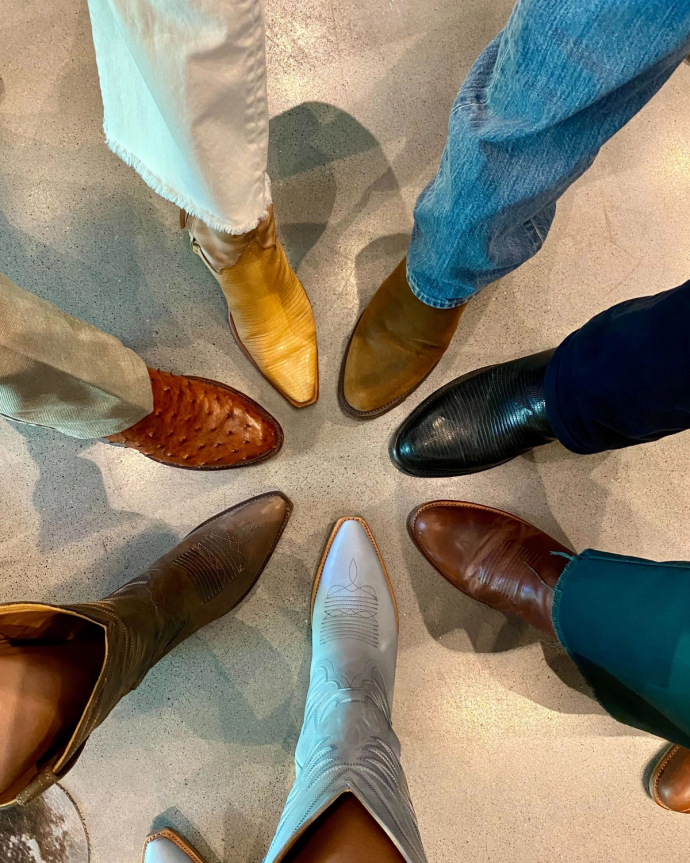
(220,249)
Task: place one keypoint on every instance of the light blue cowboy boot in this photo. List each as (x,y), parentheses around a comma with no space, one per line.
(347,742)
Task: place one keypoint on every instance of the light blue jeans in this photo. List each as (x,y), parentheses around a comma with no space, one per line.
(541,99)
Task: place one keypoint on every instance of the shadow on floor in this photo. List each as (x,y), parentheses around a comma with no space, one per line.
(304,142)
(446,610)
(69,496)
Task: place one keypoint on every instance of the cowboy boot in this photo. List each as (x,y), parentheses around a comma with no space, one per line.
(167,846)
(347,744)
(669,782)
(492,556)
(110,645)
(394,347)
(201,424)
(270,313)
(478,421)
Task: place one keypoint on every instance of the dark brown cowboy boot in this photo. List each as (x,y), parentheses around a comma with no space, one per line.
(64,668)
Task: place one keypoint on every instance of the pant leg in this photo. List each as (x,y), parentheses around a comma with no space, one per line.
(184,98)
(622,379)
(61,372)
(626,623)
(537,105)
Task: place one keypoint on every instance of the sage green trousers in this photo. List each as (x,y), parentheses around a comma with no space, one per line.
(63,373)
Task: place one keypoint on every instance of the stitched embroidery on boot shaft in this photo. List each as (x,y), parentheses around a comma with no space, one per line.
(505,556)
(212,561)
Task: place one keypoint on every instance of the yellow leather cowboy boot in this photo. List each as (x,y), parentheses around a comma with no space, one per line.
(64,668)
(270,314)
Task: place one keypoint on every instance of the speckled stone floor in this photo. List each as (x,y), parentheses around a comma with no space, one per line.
(507,758)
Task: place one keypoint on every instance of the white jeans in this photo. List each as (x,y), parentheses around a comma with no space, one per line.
(184,98)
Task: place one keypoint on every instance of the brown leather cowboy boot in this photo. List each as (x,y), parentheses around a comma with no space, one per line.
(669,783)
(492,556)
(512,566)
(395,345)
(99,651)
(270,313)
(201,424)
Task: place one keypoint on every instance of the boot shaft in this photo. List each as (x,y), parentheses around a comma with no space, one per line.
(201,579)
(347,742)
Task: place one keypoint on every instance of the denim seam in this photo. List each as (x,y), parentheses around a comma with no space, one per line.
(433,301)
(466,103)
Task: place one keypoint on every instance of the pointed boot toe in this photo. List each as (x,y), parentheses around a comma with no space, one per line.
(395,345)
(353,605)
(201,424)
(225,556)
(204,577)
(476,422)
(347,743)
(269,310)
(167,846)
(492,556)
(669,783)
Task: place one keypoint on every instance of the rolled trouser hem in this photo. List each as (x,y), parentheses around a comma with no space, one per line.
(213,220)
(430,300)
(553,398)
(62,373)
(92,431)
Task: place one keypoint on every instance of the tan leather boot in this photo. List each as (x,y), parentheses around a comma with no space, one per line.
(114,642)
(395,345)
(669,783)
(270,313)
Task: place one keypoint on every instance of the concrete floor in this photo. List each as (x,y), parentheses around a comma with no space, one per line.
(507,758)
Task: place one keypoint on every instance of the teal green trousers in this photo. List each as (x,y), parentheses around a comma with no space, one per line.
(626,624)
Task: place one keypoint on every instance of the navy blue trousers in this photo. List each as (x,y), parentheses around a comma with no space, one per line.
(624,377)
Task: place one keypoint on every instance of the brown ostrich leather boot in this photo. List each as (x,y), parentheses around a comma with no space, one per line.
(492,556)
(200,424)
(64,668)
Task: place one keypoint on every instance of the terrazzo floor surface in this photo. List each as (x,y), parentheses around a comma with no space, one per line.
(506,756)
